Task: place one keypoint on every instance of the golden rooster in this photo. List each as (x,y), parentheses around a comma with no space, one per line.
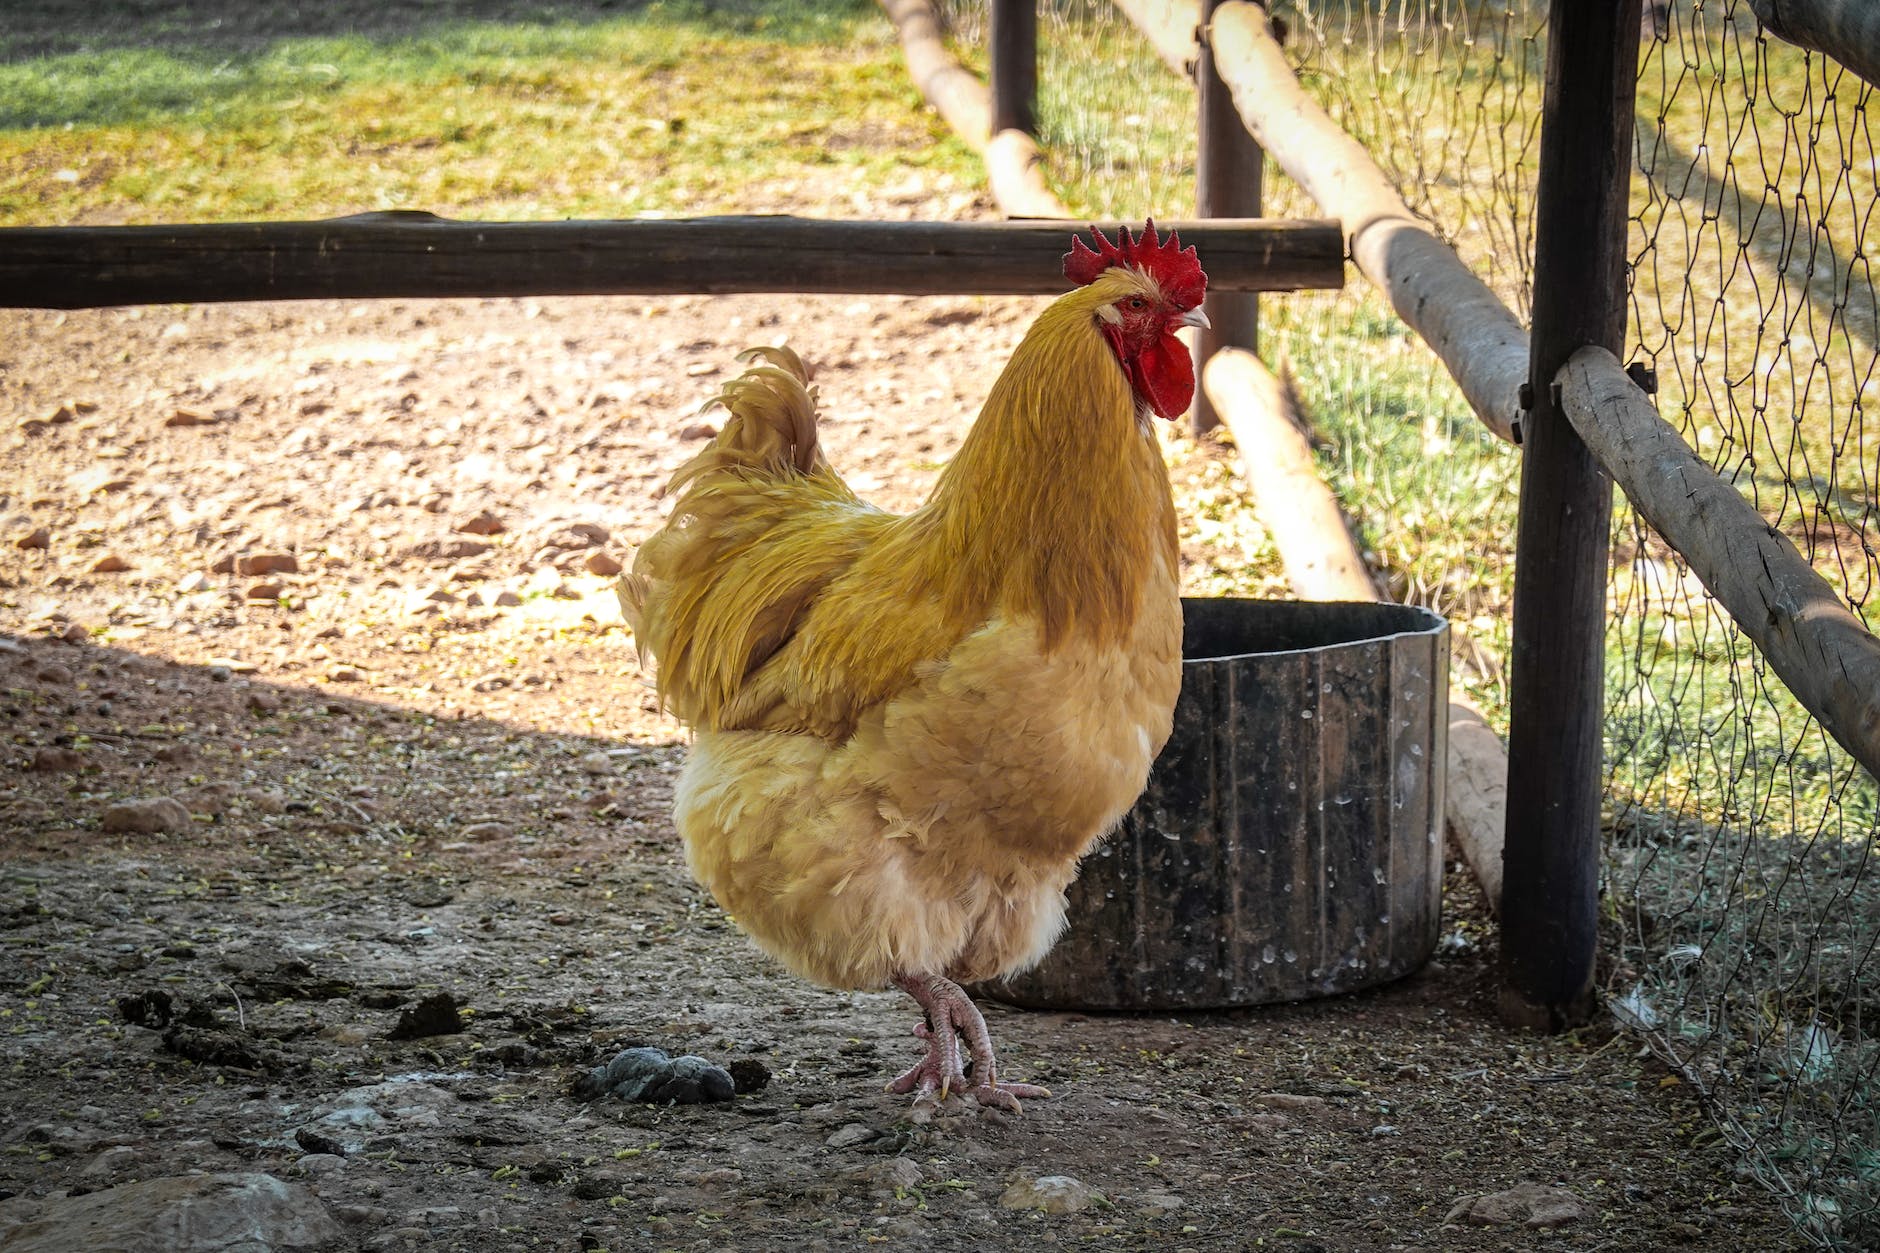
(909,729)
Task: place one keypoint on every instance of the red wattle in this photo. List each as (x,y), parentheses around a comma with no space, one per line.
(1164,375)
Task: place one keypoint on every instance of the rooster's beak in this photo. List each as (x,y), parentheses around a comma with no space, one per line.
(1194,317)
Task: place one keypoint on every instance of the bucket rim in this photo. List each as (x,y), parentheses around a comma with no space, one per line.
(1435,625)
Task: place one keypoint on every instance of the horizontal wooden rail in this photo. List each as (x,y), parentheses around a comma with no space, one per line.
(407,254)
(1847,30)
(1814,642)
(1480,342)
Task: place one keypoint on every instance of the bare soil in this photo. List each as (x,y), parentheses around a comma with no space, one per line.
(423,760)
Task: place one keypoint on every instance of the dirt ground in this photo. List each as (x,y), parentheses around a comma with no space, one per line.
(332,578)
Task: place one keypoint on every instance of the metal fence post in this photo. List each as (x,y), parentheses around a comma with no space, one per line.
(1549,904)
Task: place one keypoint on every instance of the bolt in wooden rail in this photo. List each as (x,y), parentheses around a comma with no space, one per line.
(1550,858)
(1229,167)
(1813,641)
(416,254)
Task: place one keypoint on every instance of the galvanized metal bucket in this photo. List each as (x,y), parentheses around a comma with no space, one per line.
(1289,843)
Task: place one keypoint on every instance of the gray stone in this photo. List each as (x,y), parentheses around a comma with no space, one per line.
(1524,1205)
(232,1213)
(1052,1194)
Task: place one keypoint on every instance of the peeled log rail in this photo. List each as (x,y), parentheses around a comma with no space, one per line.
(1815,643)
(1322,563)
(1014,164)
(1479,341)
(407,254)
(1847,30)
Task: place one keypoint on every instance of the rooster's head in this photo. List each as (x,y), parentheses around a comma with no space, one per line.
(1152,288)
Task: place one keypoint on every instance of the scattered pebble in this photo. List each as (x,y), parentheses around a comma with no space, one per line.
(749,1075)
(1050,1194)
(436,1014)
(52,759)
(38,537)
(650,1074)
(154,816)
(1524,1205)
(603,564)
(110,563)
(483,523)
(252,564)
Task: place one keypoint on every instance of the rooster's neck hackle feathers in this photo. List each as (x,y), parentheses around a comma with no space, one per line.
(1057,502)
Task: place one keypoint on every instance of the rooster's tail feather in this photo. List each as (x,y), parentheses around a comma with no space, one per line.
(759,525)
(770,425)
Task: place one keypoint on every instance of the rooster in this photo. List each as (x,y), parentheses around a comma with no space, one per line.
(908,729)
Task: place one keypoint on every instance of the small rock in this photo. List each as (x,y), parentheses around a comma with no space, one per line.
(194,581)
(110,563)
(54,673)
(38,537)
(1051,1194)
(483,523)
(1290,1102)
(649,1074)
(597,764)
(174,754)
(603,564)
(218,1212)
(344,674)
(154,816)
(749,1075)
(312,1140)
(1157,1204)
(54,759)
(698,430)
(851,1135)
(189,417)
(252,564)
(436,1014)
(720,1179)
(75,633)
(483,832)
(506,600)
(265,590)
(1524,1205)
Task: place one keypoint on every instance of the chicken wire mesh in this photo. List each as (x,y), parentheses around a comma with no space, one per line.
(1742,910)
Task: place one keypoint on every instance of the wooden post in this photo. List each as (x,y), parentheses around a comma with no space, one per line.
(1228,170)
(1549,912)
(1013,35)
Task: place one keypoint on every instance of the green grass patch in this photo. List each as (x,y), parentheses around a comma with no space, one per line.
(666,108)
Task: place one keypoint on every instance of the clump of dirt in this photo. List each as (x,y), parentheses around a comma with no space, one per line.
(315,598)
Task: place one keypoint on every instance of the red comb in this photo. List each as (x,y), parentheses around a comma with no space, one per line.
(1176,268)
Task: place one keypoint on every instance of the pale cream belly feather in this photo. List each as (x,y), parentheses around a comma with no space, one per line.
(941,836)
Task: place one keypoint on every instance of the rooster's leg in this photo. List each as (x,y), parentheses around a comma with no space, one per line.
(950,1015)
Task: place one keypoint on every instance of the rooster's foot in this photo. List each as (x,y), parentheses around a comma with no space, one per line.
(951,1014)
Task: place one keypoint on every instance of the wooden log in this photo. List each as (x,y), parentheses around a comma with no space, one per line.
(1292,500)
(1479,341)
(1014,163)
(1814,642)
(1847,30)
(1323,563)
(1012,39)
(1551,856)
(1170,26)
(961,99)
(1229,170)
(415,255)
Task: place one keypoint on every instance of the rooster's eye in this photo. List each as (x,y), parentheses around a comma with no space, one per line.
(1136,302)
